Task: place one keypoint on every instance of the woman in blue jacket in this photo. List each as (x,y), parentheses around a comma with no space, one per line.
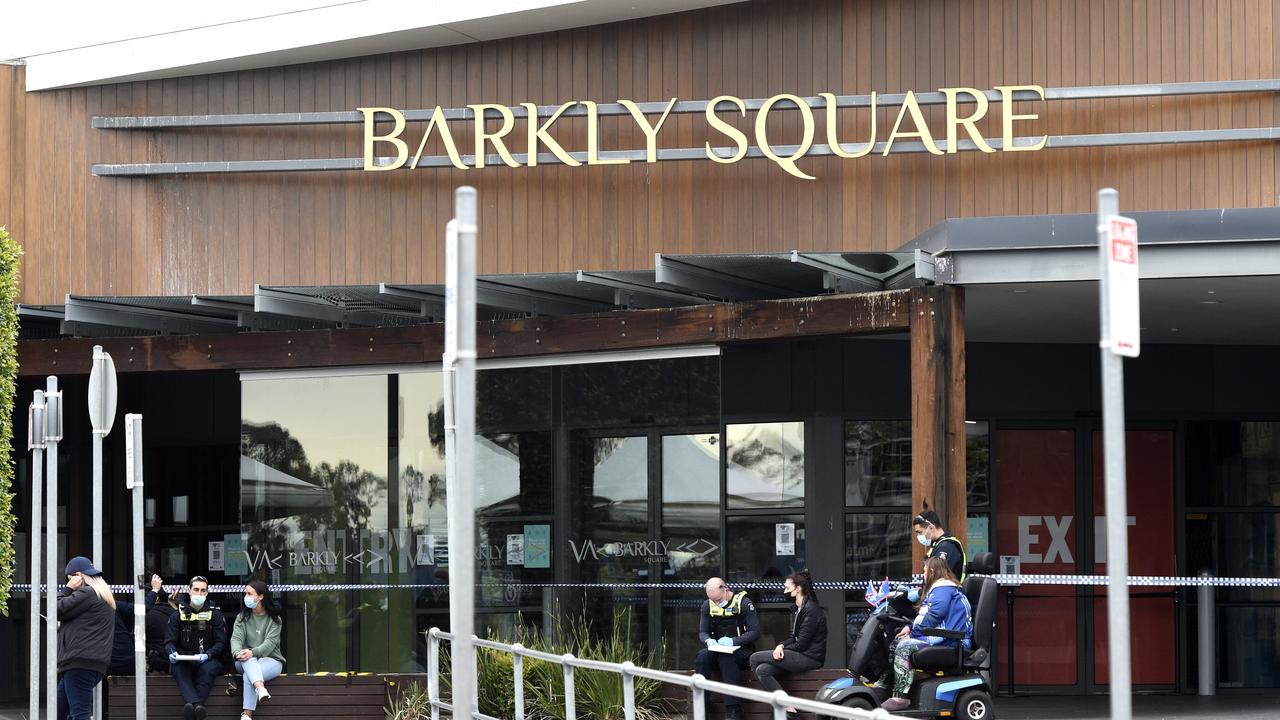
(944,607)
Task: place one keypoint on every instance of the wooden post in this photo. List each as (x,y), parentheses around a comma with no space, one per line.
(938,409)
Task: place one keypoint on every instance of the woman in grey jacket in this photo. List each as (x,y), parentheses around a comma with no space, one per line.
(86,627)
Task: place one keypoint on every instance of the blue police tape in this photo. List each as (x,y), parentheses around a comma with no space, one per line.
(1133,581)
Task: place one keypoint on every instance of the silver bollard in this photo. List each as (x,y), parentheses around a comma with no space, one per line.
(1207,632)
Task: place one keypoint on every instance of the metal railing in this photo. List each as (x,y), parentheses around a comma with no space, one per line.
(698,685)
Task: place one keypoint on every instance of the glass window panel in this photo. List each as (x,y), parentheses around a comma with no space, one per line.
(681,613)
(1235,545)
(754,552)
(877,461)
(691,505)
(501,568)
(610,541)
(1233,463)
(765,465)
(1248,638)
(977,460)
(314,510)
(876,546)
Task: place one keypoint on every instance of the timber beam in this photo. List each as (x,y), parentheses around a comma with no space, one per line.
(938,472)
(826,315)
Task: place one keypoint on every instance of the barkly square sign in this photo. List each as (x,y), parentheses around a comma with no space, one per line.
(493,145)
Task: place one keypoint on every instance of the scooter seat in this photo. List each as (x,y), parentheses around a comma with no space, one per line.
(937,659)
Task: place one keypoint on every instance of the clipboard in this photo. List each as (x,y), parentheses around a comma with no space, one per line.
(188,658)
(726,649)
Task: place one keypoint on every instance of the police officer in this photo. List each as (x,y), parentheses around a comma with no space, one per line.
(929,533)
(727,619)
(195,630)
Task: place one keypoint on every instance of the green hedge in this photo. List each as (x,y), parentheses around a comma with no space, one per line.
(10,253)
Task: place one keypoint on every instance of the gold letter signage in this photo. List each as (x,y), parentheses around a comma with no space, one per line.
(726,121)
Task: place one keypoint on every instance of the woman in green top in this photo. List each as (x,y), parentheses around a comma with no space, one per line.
(255,644)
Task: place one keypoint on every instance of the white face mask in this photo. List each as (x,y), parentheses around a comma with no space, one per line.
(923,539)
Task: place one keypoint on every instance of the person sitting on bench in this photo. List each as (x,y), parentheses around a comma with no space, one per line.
(255,644)
(728,619)
(806,647)
(193,642)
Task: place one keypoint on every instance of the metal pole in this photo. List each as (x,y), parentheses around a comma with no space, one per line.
(53,432)
(433,673)
(35,432)
(1207,633)
(570,700)
(1114,454)
(517,673)
(459,369)
(628,691)
(97,514)
(306,639)
(133,461)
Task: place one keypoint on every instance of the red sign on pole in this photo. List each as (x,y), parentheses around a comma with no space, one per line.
(1123,334)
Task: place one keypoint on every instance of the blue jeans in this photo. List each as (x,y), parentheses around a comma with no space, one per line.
(255,670)
(75,694)
(195,680)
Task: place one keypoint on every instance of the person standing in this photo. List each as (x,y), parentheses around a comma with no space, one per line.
(940,543)
(197,630)
(805,648)
(122,644)
(86,629)
(727,619)
(255,645)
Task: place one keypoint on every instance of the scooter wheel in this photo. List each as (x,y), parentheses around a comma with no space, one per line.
(975,705)
(857,703)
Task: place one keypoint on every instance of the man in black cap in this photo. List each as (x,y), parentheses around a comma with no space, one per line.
(194,642)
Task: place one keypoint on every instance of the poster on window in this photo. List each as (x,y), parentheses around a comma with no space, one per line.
(784,539)
(537,546)
(216,556)
(515,549)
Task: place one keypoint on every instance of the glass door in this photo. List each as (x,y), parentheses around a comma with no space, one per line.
(690,534)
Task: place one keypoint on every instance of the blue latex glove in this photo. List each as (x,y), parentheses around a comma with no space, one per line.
(725,641)
(202,658)
(710,642)
(173,657)
(913,595)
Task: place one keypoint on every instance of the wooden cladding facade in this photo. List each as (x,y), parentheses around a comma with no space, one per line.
(220,234)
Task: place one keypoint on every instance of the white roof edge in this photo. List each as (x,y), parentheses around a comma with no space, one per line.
(327,33)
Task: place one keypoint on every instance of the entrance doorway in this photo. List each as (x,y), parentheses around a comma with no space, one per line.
(645,508)
(1045,478)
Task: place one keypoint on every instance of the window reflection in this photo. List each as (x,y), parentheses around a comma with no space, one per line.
(611,491)
(877,462)
(758,549)
(691,505)
(765,465)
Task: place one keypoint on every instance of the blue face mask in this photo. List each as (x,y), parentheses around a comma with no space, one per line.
(250,602)
(197,601)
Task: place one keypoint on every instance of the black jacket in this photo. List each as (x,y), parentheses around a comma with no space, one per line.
(218,632)
(122,643)
(808,631)
(948,548)
(86,628)
(157,628)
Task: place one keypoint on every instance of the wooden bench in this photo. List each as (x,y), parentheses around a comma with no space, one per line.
(804,685)
(292,696)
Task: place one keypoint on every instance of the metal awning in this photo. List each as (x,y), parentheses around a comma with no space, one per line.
(1208,276)
(676,281)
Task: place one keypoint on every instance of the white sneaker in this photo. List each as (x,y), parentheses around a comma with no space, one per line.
(263,694)
(245,717)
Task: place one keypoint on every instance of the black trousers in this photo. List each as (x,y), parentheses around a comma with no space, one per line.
(195,681)
(729,666)
(769,671)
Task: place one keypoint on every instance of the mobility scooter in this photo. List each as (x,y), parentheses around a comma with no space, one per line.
(951,682)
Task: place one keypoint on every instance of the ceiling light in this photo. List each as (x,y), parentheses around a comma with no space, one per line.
(1210,302)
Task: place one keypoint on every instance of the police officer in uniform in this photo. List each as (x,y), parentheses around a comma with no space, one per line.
(929,533)
(196,630)
(727,619)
